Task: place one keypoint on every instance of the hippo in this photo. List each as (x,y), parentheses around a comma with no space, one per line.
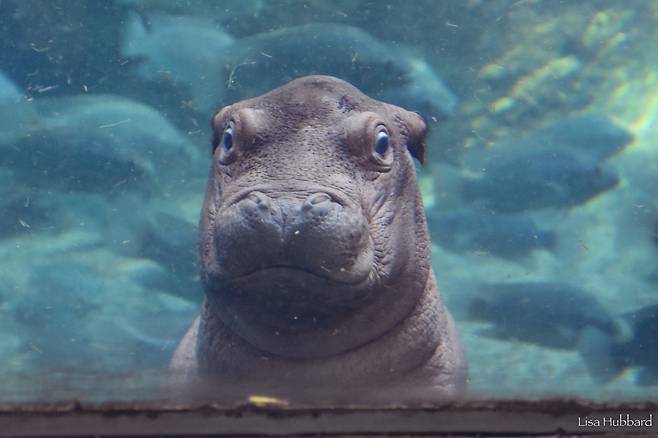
(315,255)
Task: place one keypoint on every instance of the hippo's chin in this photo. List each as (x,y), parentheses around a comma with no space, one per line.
(285,310)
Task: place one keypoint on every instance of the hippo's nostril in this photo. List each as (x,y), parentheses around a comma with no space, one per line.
(253,197)
(317,198)
(260,199)
(318,202)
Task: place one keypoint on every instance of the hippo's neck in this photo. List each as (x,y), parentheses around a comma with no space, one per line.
(398,353)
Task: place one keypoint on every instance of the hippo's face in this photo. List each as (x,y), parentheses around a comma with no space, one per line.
(311,218)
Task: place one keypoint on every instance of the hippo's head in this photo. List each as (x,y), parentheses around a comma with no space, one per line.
(313,238)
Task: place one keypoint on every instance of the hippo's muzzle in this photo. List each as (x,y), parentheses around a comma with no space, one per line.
(317,234)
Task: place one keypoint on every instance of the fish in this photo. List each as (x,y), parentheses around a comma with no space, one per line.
(216,70)
(17,114)
(101,143)
(152,350)
(165,238)
(181,50)
(9,92)
(593,136)
(264,61)
(164,279)
(171,242)
(559,178)
(54,311)
(607,356)
(474,228)
(221,11)
(548,314)
(65,322)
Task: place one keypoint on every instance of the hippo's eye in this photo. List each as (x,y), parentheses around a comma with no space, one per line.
(381,141)
(227,138)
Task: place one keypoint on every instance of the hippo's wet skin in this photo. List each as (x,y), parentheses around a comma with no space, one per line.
(314,250)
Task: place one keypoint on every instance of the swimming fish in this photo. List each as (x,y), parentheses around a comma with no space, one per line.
(559,178)
(182,50)
(476,228)
(543,313)
(593,135)
(217,70)
(17,114)
(9,92)
(606,356)
(220,11)
(100,143)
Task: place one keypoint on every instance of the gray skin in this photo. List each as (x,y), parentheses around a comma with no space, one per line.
(315,255)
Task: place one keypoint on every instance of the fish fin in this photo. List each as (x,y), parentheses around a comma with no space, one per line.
(134,34)
(597,349)
(547,239)
(495,333)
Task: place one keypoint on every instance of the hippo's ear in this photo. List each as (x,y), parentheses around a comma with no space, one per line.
(416,135)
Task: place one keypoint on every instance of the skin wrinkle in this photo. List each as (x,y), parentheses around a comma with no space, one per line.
(283,188)
(424,323)
(387,329)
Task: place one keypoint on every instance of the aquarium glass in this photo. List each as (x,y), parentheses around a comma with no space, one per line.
(539,183)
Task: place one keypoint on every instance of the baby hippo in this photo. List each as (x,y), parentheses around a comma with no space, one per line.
(315,255)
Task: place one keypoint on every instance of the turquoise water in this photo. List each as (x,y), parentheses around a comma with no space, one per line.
(541,184)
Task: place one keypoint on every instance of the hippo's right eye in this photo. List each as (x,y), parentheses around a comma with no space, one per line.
(227,138)
(225,143)
(381,141)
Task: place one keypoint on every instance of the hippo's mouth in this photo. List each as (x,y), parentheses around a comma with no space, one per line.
(283,271)
(315,242)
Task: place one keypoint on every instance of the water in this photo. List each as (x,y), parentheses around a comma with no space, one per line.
(540,184)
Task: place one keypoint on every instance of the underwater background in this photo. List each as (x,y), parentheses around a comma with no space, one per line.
(541,187)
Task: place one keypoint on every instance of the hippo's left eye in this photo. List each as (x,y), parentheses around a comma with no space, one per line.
(381,141)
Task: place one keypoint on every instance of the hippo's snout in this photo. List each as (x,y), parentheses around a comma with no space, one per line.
(316,233)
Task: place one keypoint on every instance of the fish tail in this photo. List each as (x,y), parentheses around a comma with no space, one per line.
(479,309)
(599,352)
(135,33)
(547,239)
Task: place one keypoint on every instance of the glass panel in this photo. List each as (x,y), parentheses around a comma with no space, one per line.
(538,179)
